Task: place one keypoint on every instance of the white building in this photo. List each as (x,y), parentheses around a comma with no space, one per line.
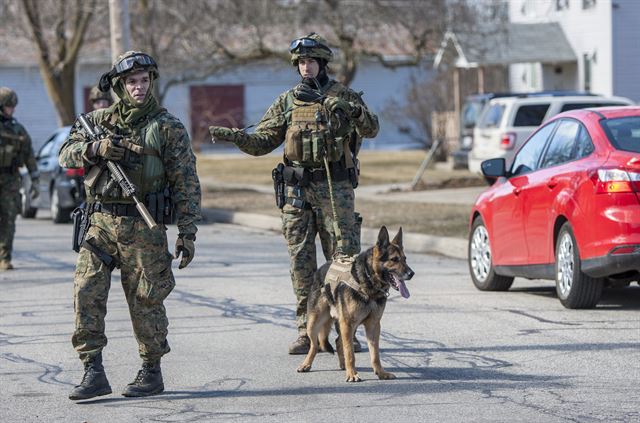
(604,36)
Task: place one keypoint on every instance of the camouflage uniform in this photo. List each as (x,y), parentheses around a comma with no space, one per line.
(308,211)
(15,151)
(164,159)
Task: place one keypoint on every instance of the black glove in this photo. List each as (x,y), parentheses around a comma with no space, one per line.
(185,244)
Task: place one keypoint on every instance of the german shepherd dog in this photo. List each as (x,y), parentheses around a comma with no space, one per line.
(358,299)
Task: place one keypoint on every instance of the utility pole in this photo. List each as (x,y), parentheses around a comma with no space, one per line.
(119,27)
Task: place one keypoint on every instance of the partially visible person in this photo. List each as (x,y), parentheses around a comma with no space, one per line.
(100,99)
(15,151)
(321,123)
(154,149)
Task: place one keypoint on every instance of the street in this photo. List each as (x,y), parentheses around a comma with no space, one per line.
(460,355)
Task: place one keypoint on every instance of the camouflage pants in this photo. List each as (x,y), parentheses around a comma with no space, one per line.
(9,206)
(300,227)
(147,279)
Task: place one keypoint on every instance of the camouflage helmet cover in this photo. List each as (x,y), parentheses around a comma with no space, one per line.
(140,62)
(96,94)
(312,45)
(125,64)
(8,97)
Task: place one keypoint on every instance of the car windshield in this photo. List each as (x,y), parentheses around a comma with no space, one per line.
(470,112)
(624,133)
(492,116)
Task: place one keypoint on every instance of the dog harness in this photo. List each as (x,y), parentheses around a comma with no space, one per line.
(340,272)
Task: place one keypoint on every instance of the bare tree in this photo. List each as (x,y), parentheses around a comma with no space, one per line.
(57,29)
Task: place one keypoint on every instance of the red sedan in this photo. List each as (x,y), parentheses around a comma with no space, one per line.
(568,208)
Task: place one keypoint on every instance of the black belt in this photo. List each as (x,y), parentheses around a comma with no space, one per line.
(302,176)
(116,209)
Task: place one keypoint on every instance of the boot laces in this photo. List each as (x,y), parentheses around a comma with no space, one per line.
(142,373)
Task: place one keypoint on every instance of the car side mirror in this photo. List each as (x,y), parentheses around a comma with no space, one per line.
(493,169)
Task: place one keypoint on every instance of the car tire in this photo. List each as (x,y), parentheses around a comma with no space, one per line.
(575,289)
(58,214)
(481,268)
(26,210)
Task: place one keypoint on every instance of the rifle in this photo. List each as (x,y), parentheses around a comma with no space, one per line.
(118,174)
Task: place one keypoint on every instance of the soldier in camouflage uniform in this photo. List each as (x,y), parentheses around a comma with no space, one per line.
(318,118)
(154,149)
(99,99)
(15,151)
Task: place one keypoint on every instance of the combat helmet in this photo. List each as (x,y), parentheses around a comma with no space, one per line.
(8,97)
(313,46)
(126,63)
(96,94)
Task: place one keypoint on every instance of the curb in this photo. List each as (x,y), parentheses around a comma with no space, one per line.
(416,243)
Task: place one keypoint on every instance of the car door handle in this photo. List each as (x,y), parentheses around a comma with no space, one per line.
(517,191)
(551,183)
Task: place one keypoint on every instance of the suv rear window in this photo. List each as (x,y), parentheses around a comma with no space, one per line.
(624,133)
(530,115)
(492,116)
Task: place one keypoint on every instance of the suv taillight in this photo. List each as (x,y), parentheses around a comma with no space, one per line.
(610,181)
(508,141)
(74,172)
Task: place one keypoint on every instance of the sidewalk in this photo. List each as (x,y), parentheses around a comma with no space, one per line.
(418,243)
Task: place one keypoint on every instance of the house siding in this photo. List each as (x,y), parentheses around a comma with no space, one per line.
(626,49)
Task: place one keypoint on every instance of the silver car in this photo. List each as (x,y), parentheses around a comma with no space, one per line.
(61,190)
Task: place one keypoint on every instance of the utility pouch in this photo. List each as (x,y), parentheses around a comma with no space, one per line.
(307,146)
(319,146)
(296,176)
(335,149)
(293,143)
(91,178)
(81,222)
(278,185)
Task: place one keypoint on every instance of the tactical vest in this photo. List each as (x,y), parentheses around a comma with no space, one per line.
(309,136)
(141,163)
(11,145)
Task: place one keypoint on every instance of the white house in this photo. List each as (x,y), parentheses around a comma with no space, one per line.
(604,36)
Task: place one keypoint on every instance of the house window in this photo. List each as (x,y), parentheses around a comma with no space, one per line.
(587,61)
(562,4)
(219,105)
(588,4)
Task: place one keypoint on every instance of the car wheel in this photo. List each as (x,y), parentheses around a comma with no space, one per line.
(480,266)
(58,214)
(575,289)
(26,210)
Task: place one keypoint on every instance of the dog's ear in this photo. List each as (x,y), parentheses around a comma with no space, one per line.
(398,238)
(383,238)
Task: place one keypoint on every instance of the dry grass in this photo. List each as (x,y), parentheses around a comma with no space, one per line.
(388,167)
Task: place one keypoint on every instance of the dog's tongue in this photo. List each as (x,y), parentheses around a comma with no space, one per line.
(403,289)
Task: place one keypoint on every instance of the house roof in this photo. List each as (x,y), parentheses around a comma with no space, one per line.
(515,43)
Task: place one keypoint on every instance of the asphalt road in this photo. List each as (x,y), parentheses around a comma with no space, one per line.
(460,355)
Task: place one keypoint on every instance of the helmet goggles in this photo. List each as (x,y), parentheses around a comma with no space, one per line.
(138,60)
(305,42)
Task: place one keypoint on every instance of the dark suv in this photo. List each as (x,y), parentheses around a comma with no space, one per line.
(61,190)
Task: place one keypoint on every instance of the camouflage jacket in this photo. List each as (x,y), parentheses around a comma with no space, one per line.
(12,132)
(272,128)
(176,155)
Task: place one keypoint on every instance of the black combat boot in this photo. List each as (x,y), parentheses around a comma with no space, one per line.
(300,345)
(94,382)
(148,381)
